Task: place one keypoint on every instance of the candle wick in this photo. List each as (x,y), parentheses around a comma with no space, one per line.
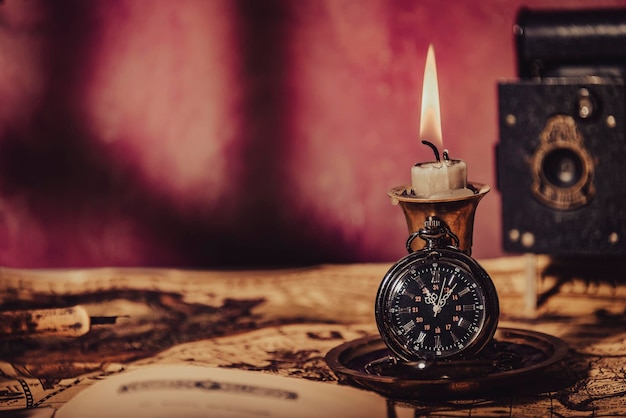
(434,148)
(446,156)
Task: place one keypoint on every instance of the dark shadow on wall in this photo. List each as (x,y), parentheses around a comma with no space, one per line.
(68,180)
(278,235)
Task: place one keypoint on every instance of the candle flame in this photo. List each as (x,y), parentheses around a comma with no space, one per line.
(430,120)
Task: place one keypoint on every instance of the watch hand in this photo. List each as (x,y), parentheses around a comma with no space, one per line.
(437,307)
(442,302)
(443,285)
(430,298)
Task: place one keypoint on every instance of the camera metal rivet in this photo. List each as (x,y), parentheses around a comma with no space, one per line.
(528,239)
(611,122)
(510,119)
(514,235)
(586,104)
(613,238)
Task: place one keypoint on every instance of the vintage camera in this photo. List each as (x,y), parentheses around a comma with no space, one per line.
(561,159)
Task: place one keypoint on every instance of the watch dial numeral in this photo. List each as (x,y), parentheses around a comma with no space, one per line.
(463,292)
(408,326)
(409,294)
(436,275)
(419,281)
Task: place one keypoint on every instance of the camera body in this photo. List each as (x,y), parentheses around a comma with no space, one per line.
(561,159)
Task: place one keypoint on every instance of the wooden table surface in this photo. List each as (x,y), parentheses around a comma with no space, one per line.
(284,321)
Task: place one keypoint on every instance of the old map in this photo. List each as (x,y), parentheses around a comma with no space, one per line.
(284,322)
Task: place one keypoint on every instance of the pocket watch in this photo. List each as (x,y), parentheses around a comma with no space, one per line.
(437,302)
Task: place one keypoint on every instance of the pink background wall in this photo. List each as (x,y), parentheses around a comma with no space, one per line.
(194,133)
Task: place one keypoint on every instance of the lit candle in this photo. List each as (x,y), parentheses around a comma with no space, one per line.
(442,178)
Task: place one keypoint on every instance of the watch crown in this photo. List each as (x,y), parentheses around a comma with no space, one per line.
(435,233)
(432,222)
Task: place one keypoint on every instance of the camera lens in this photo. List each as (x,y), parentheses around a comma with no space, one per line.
(563,167)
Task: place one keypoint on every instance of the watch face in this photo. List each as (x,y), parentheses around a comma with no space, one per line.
(438,305)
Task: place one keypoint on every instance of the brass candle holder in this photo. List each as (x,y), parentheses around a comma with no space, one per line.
(456,212)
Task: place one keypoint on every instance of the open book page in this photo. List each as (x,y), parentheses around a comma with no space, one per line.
(195,391)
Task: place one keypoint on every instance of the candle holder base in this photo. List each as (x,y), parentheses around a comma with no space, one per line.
(515,357)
